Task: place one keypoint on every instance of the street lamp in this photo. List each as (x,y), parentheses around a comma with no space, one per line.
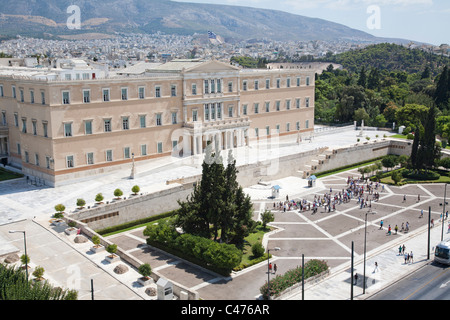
(365,236)
(268,273)
(25,246)
(443,212)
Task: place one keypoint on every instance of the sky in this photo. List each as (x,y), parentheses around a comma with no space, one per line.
(425,21)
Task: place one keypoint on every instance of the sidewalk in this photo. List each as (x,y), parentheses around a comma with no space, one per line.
(391,268)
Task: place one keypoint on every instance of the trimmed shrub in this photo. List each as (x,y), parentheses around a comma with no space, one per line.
(258,250)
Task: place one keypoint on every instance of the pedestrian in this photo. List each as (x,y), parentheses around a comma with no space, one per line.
(270,267)
(406,257)
(421,214)
(399,250)
(404,248)
(376,267)
(404,197)
(418,197)
(396,229)
(432,223)
(381,224)
(275,268)
(389,230)
(356,278)
(411,257)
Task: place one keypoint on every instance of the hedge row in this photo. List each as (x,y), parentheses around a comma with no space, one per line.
(322,173)
(219,257)
(292,277)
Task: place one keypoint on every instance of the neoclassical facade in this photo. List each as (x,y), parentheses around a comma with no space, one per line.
(58,129)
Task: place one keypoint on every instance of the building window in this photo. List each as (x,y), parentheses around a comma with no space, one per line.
(88,127)
(69,162)
(256,105)
(219,110)
(4,118)
(47,162)
(230,86)
(219,85)
(267,83)
(267,106)
(288,82)
(256,84)
(107,123)
(307,124)
(307,81)
(42,97)
(68,76)
(105,95)
(173,91)
(307,102)
(141,92)
(159,147)
(16,119)
(206,112)
(68,129)
(288,104)
(22,98)
(194,89)
(278,83)
(206,85)
(27,157)
(86,96)
(124,93)
(277,105)
(125,123)
(244,109)
(157,92)
(34,127)
(2,94)
(109,155)
(230,112)
(244,85)
(298,82)
(288,127)
(256,132)
(31,96)
(126,153)
(45,128)
(174,118)
(24,125)
(298,125)
(278,128)
(36,159)
(19,150)
(194,115)
(85,76)
(66,97)
(158,119)
(14,92)
(297,103)
(213,86)
(142,122)
(90,158)
(143,149)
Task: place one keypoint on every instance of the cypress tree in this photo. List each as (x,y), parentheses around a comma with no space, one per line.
(442,89)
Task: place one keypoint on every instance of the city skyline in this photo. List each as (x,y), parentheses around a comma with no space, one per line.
(381,18)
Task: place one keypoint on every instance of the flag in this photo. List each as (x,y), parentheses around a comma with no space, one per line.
(211,35)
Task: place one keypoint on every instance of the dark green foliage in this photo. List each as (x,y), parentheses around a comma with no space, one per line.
(15,286)
(291,277)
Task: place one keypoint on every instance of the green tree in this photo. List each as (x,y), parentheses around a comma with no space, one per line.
(145,270)
(135,189)
(118,193)
(266,217)
(442,89)
(99,197)
(362,80)
(396,177)
(81,203)
(60,208)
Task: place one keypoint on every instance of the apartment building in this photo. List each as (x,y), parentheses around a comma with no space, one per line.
(62,128)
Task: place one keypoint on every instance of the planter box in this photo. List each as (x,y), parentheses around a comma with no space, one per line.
(71,230)
(98,248)
(145,281)
(112,258)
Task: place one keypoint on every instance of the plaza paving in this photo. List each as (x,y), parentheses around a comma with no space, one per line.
(324,235)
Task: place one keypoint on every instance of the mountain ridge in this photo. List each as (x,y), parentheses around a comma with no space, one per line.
(150,16)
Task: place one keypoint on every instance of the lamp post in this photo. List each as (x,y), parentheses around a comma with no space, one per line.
(25,247)
(268,273)
(365,236)
(443,212)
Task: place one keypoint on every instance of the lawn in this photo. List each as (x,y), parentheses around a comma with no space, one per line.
(250,240)
(7,175)
(444,178)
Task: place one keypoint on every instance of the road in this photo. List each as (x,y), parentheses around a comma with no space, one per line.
(432,282)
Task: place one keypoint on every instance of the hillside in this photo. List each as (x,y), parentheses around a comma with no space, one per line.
(33,18)
(390,57)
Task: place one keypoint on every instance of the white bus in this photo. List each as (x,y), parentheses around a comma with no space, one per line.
(442,252)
